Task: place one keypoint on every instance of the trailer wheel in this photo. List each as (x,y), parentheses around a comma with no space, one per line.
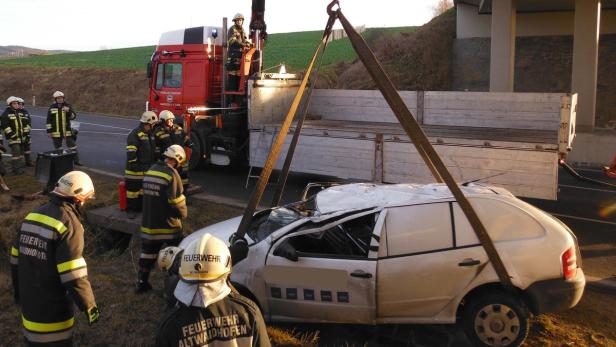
(197,152)
(496,319)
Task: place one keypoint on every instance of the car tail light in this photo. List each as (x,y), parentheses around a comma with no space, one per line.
(569,263)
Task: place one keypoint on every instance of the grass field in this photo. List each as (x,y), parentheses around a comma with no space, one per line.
(293,49)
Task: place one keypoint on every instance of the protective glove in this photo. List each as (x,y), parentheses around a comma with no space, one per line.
(93,315)
(238,248)
(65,108)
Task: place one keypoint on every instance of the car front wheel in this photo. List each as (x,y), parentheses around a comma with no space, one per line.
(496,319)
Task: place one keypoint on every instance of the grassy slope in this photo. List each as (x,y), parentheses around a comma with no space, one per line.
(294,49)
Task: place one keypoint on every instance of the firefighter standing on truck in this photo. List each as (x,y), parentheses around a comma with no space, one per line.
(59,117)
(237,43)
(27,121)
(47,266)
(164,207)
(168,133)
(13,128)
(209,311)
(140,155)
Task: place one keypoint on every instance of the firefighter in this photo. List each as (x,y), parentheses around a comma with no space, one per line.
(3,185)
(164,207)
(209,311)
(48,270)
(59,117)
(140,155)
(13,128)
(237,43)
(168,133)
(27,122)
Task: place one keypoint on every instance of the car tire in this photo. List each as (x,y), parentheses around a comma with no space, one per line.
(495,319)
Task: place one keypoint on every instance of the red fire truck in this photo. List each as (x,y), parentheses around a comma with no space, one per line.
(187,76)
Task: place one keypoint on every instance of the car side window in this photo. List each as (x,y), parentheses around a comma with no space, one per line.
(351,238)
(418,228)
(169,75)
(503,222)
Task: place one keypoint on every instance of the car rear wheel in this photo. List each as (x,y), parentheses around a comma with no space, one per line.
(496,319)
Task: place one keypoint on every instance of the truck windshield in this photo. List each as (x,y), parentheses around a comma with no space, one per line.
(264,225)
(169,75)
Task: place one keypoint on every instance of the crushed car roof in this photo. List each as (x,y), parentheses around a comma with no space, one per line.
(366,195)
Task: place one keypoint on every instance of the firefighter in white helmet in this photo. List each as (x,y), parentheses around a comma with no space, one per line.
(205,295)
(237,43)
(164,207)
(13,128)
(140,155)
(48,270)
(59,117)
(169,133)
(27,122)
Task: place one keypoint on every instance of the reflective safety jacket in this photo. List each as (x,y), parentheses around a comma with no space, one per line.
(164,204)
(59,117)
(49,272)
(167,136)
(232,321)
(15,125)
(27,122)
(140,152)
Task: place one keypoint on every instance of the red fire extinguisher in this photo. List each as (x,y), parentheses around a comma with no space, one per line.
(122,195)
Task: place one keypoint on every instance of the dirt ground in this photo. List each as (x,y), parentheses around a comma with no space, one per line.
(131,320)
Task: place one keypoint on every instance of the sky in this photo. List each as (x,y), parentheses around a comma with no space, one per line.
(85,25)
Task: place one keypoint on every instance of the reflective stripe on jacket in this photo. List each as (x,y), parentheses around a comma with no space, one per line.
(49,271)
(164,204)
(59,121)
(167,136)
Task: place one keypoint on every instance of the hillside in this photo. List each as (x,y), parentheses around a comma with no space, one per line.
(7,52)
(293,49)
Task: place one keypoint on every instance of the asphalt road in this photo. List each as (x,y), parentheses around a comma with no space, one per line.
(583,206)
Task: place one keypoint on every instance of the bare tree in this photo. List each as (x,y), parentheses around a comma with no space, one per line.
(441,7)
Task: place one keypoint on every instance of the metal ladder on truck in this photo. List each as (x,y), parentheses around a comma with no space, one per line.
(254,154)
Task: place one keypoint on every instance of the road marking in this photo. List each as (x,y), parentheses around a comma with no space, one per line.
(584,219)
(90,132)
(94,124)
(585,188)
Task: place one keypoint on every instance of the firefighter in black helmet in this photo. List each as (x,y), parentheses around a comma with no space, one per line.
(164,207)
(140,155)
(59,117)
(48,269)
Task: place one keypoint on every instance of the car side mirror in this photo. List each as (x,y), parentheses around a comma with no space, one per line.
(149,70)
(287,251)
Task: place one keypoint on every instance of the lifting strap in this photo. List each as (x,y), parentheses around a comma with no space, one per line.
(272,157)
(284,174)
(420,140)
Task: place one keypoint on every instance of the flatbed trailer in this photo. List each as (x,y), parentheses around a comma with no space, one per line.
(512,140)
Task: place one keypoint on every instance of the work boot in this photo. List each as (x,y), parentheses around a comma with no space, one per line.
(142,282)
(77,162)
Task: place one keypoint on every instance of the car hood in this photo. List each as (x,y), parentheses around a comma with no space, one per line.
(222,230)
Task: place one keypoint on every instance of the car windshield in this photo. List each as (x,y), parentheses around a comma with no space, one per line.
(264,224)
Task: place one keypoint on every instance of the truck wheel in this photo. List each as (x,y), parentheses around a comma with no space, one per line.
(197,152)
(495,319)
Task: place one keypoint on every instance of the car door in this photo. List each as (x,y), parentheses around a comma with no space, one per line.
(422,269)
(325,273)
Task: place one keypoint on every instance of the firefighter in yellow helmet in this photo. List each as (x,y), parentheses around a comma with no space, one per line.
(164,207)
(237,43)
(209,311)
(168,133)
(140,155)
(48,269)
(59,117)
(13,127)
